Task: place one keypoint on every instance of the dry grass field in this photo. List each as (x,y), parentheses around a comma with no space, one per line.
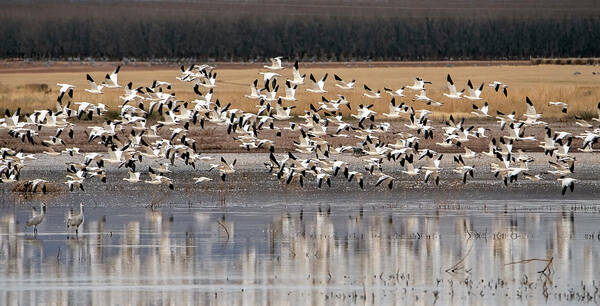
(541,83)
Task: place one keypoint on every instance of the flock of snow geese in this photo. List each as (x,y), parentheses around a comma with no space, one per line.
(323,119)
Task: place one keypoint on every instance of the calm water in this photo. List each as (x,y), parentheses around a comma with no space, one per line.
(303,249)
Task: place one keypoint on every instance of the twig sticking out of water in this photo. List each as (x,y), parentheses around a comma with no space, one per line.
(545,272)
(456,267)
(547,268)
(224,228)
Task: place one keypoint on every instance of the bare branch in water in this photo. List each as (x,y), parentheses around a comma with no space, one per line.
(456,267)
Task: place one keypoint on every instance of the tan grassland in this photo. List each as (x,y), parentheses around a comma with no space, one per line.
(541,83)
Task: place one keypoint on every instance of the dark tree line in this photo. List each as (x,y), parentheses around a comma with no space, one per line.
(248,37)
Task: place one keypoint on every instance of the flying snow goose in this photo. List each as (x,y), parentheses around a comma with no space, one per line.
(474,94)
(33,185)
(290,92)
(282,113)
(65,88)
(268,76)
(463,169)
(531,114)
(210,79)
(224,168)
(469,153)
(370,93)
(589,139)
(566,182)
(342,84)
(12,120)
(318,87)
(201,179)
(134,177)
(497,85)
(157,179)
(418,85)
(395,111)
(395,93)
(298,79)
(156,84)
(481,111)
(253,91)
(562,105)
(385,179)
(410,168)
(582,122)
(94,88)
(275,63)
(111,80)
(422,96)
(454,94)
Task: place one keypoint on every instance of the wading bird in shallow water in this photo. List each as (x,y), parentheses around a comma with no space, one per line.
(75,220)
(36,218)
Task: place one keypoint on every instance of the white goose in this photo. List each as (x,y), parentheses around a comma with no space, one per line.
(267,76)
(134,177)
(385,179)
(418,85)
(298,79)
(497,85)
(65,88)
(395,93)
(290,92)
(157,179)
(282,113)
(566,182)
(454,94)
(275,63)
(481,111)
(111,80)
(422,96)
(224,168)
(253,91)
(531,114)
(94,88)
(343,85)
(210,79)
(201,179)
(370,93)
(561,105)
(318,87)
(474,94)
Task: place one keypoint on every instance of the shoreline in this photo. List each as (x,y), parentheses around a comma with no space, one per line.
(251,176)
